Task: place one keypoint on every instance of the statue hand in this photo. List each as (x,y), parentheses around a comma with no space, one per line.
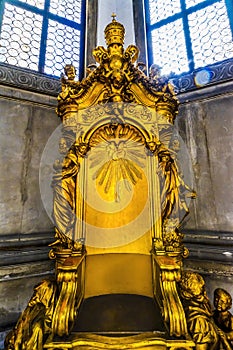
(191,194)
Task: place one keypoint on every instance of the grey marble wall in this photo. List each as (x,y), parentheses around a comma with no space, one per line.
(27,120)
(206,126)
(205,122)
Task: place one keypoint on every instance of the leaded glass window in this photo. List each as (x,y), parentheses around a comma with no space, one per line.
(184,35)
(42,35)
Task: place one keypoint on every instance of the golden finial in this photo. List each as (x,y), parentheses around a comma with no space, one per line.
(113,17)
(114,32)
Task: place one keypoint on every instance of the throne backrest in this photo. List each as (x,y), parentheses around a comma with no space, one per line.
(118,123)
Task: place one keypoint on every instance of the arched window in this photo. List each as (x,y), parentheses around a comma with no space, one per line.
(42,35)
(184,35)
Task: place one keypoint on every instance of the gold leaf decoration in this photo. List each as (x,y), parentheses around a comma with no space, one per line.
(118,156)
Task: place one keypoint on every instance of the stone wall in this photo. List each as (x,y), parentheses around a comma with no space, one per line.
(25,128)
(205,123)
(27,121)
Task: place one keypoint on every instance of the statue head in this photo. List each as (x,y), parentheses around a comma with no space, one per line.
(63,148)
(192,286)
(222,300)
(117,78)
(164,156)
(70,71)
(175,145)
(154,71)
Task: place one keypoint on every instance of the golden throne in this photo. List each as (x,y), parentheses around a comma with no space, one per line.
(119,200)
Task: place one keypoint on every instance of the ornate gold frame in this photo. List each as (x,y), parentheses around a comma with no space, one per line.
(116,103)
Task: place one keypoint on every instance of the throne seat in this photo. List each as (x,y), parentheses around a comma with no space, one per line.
(131,319)
(119,314)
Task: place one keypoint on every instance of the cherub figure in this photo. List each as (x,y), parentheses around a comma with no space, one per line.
(118,81)
(68,85)
(155,72)
(222,316)
(201,326)
(161,81)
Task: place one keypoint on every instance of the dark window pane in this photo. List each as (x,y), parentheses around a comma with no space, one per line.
(198,35)
(31,39)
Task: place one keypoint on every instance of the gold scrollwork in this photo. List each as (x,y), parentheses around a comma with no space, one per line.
(116,79)
(66,301)
(170,271)
(70,268)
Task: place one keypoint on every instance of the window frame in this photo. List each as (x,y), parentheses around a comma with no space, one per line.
(186,80)
(46,16)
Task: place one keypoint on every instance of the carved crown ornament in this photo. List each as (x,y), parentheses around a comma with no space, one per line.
(116,78)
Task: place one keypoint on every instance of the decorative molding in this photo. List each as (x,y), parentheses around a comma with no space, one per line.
(208,268)
(210,253)
(17,240)
(33,81)
(24,248)
(29,80)
(206,76)
(213,246)
(207,92)
(219,238)
(27,270)
(24,255)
